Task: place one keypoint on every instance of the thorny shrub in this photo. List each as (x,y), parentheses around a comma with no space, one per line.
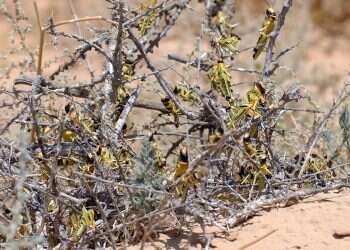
(84,172)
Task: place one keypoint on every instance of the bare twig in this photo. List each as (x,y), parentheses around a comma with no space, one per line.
(41,38)
(344,94)
(258,239)
(161,80)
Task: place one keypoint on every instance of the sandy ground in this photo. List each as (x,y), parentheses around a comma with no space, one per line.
(307,225)
(310,224)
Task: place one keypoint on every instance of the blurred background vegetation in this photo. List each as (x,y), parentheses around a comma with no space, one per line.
(320,28)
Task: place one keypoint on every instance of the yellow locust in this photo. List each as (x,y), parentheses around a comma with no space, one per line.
(189,181)
(220,80)
(172,109)
(181,168)
(186,93)
(215,135)
(159,160)
(266,29)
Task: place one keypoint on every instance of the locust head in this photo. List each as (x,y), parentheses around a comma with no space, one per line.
(271,13)
(183,154)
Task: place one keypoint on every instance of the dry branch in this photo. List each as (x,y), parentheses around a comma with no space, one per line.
(98,174)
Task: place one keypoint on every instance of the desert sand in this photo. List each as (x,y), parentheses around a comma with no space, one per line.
(309,224)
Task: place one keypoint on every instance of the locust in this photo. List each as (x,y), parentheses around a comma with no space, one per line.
(192,179)
(172,109)
(215,135)
(264,32)
(220,80)
(186,93)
